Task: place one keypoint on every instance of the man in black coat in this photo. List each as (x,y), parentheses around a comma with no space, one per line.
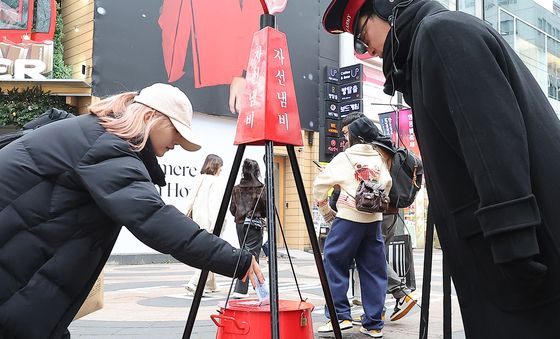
(490,143)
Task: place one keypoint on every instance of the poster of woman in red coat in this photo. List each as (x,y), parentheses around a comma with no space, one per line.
(202,47)
(196,22)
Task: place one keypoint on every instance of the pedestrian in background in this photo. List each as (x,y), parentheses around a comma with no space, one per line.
(206,193)
(248,207)
(404,301)
(354,235)
(69,187)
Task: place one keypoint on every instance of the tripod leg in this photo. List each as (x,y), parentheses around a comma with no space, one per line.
(313,239)
(271,224)
(446,300)
(427,277)
(217,230)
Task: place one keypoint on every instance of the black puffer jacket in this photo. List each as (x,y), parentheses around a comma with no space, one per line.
(66,189)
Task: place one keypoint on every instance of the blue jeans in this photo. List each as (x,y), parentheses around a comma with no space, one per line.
(349,240)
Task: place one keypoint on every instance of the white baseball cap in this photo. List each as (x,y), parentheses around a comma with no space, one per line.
(172,102)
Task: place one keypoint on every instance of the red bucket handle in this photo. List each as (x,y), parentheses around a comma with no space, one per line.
(243,326)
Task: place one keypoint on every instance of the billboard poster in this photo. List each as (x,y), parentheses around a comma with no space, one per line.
(202,47)
(388,122)
(403,135)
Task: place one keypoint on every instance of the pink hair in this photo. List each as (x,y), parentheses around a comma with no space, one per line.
(129,120)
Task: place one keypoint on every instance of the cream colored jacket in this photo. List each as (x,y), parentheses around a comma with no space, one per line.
(204,201)
(340,171)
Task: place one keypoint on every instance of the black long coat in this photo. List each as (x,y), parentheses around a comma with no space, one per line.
(490,143)
(65,191)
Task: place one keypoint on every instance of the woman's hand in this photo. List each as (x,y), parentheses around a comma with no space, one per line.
(236,89)
(254,268)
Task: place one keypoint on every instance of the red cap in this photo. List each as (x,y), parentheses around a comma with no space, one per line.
(341,15)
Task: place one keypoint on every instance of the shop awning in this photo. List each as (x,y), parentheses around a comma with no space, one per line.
(59,87)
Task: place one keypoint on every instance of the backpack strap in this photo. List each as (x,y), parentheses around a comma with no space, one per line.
(383,154)
(354,167)
(350,161)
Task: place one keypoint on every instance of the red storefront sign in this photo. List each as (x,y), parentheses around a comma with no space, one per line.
(24,20)
(269,107)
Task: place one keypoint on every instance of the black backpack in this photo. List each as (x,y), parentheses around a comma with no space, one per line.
(46,118)
(406,172)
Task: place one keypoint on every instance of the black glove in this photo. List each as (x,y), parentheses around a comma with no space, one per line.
(525,272)
(515,253)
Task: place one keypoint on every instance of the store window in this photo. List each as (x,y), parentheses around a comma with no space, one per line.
(467,6)
(530,44)
(506,28)
(553,63)
(539,48)
(531,28)
(449,4)
(42,16)
(13,14)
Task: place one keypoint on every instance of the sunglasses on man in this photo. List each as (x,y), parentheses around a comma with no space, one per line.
(359,45)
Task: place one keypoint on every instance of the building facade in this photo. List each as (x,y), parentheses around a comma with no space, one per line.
(116,46)
(532,29)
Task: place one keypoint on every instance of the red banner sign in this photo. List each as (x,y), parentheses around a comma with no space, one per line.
(269,107)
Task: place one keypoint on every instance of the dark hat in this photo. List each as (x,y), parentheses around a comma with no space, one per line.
(365,130)
(341,16)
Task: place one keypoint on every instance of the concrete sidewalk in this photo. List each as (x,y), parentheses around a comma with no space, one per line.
(149,301)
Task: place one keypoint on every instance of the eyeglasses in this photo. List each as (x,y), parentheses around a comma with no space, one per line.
(359,45)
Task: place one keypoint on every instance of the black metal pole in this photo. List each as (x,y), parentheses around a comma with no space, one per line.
(314,243)
(427,276)
(446,300)
(217,230)
(268,20)
(288,252)
(271,224)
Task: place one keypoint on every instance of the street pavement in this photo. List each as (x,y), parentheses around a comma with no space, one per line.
(150,301)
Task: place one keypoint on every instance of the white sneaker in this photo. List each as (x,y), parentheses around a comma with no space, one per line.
(358,319)
(237,295)
(191,289)
(344,325)
(402,307)
(372,333)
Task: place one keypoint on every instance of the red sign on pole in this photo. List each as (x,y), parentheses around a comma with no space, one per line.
(269,107)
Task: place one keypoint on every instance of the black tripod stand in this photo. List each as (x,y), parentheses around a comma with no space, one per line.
(426,284)
(271,224)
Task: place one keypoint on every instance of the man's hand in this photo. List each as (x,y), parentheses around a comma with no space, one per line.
(254,268)
(236,89)
(525,272)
